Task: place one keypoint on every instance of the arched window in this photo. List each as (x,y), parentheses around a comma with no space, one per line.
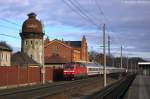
(31,56)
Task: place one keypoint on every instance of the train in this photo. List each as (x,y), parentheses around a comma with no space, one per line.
(80,70)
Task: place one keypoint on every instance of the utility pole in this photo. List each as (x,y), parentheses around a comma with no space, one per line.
(43,62)
(135,67)
(131,66)
(109,59)
(127,63)
(108,45)
(113,61)
(121,57)
(104,44)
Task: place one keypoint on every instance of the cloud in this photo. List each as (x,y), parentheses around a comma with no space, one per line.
(13,1)
(127,24)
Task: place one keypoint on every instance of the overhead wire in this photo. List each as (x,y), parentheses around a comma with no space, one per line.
(78,11)
(9,36)
(100,10)
(8,27)
(85,12)
(8,21)
(102,13)
(77,7)
(106,19)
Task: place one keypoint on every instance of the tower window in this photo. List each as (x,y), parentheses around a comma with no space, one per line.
(31,42)
(6,57)
(31,56)
(36,42)
(2,56)
(26,42)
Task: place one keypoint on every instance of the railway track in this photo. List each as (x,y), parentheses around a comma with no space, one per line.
(115,90)
(45,91)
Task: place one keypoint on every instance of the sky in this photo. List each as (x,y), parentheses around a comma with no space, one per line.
(127,22)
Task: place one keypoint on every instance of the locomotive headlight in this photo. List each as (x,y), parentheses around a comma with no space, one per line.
(72,72)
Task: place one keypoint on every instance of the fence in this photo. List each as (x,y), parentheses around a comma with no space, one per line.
(15,75)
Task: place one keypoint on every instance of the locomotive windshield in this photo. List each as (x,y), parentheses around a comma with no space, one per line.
(69,66)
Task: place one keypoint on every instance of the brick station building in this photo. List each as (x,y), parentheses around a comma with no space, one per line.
(58,52)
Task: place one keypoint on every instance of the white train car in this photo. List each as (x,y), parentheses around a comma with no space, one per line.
(95,69)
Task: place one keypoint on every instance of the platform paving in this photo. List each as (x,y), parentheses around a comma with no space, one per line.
(140,88)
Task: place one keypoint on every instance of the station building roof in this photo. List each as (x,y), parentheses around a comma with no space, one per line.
(74,43)
(5,47)
(143,63)
(22,59)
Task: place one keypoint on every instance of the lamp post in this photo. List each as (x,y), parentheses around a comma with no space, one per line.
(104,48)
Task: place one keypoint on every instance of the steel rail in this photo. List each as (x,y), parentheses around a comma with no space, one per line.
(115,90)
(34,91)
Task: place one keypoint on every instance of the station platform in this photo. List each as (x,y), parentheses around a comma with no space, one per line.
(140,88)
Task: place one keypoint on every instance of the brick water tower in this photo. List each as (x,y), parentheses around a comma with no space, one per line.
(32,38)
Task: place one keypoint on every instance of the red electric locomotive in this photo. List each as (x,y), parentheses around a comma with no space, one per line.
(73,71)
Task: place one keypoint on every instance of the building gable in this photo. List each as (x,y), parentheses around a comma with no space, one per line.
(56,41)
(57,50)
